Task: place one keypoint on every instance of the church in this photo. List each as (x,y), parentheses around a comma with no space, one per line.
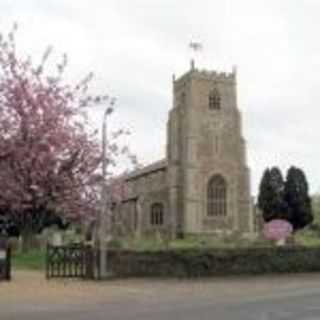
(203,184)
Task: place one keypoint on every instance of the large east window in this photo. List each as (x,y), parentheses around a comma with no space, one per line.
(217,197)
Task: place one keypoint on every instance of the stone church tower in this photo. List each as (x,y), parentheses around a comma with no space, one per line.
(208,177)
(202,186)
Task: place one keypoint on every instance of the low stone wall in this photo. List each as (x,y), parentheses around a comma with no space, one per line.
(213,262)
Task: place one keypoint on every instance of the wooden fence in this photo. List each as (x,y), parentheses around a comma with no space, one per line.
(72,261)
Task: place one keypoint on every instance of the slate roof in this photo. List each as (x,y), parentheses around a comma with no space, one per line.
(153,167)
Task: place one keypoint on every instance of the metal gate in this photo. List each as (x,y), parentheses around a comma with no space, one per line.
(72,261)
(5,260)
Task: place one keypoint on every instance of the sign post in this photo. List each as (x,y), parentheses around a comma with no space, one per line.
(278,230)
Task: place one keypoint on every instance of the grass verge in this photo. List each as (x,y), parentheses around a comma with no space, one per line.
(32,260)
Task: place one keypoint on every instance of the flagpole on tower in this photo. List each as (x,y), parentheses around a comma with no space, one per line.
(195,48)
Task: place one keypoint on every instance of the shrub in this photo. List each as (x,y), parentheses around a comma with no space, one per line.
(214,262)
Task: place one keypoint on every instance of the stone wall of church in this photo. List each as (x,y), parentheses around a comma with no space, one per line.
(147,189)
(201,143)
(175,147)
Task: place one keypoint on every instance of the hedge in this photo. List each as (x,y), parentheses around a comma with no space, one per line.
(213,262)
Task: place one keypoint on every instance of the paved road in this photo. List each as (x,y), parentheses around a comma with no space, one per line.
(260,298)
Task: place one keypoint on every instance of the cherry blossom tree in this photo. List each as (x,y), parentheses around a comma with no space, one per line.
(49,156)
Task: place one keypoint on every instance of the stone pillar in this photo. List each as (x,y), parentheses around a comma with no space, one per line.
(139,211)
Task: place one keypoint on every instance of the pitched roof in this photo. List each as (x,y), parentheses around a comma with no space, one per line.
(155,166)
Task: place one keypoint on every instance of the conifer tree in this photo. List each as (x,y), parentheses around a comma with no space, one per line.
(270,199)
(297,199)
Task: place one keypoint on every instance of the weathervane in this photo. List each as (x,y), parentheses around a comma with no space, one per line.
(195,47)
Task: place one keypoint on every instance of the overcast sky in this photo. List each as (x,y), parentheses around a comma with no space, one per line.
(134,47)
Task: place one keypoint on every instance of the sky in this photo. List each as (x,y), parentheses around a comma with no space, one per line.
(135,46)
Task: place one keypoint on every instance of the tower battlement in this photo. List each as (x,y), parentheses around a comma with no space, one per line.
(211,75)
(215,75)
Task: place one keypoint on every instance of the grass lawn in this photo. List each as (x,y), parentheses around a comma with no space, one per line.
(189,242)
(32,260)
(308,238)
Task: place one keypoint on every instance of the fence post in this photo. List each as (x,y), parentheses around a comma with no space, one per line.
(97,263)
(8,268)
(5,263)
(48,261)
(87,264)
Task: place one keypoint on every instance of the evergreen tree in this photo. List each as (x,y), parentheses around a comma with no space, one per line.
(277,185)
(297,199)
(270,198)
(264,195)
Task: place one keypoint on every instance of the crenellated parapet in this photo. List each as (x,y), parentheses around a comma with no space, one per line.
(216,76)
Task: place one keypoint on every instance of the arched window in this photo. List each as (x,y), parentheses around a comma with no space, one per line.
(217,196)
(157,214)
(214,100)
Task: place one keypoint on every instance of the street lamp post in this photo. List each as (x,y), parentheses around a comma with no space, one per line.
(105,197)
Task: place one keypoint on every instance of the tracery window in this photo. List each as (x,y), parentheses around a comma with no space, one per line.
(217,197)
(157,214)
(214,100)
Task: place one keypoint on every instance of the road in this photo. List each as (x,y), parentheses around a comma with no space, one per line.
(294,297)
